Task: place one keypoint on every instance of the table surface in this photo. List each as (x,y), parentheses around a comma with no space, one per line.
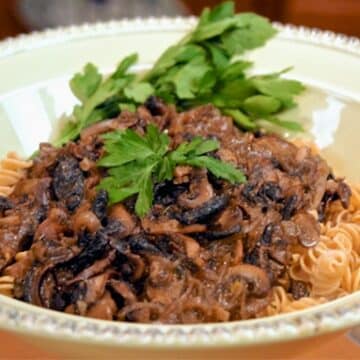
(13,348)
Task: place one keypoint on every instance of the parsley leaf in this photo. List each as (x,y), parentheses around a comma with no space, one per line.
(136,162)
(281,89)
(204,67)
(83,85)
(252,31)
(220,12)
(261,105)
(93,90)
(126,146)
(139,92)
(218,168)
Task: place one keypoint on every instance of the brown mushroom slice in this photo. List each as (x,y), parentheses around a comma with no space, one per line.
(229,218)
(11,220)
(86,220)
(163,284)
(194,312)
(255,307)
(108,125)
(99,128)
(200,192)
(122,289)
(308,229)
(119,213)
(160,226)
(192,229)
(97,267)
(167,226)
(344,192)
(95,287)
(204,213)
(255,277)
(143,312)
(238,252)
(192,247)
(32,282)
(104,309)
(219,314)
(22,265)
(138,266)
(182,174)
(53,227)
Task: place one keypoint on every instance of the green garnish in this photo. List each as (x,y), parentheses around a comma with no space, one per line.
(202,68)
(135,163)
(101,97)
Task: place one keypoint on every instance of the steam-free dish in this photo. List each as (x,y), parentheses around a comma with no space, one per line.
(168,197)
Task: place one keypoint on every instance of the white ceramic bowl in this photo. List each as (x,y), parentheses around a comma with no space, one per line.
(34,71)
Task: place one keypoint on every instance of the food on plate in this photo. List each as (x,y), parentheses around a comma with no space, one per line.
(166,199)
(204,67)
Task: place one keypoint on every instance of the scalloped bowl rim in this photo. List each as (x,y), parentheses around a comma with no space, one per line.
(28,319)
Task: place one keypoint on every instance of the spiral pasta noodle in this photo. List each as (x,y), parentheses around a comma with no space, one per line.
(283,302)
(11,171)
(332,267)
(6,285)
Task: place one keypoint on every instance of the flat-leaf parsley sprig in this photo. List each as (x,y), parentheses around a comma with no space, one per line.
(204,67)
(135,163)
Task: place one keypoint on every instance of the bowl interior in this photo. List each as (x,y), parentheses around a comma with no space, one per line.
(34,94)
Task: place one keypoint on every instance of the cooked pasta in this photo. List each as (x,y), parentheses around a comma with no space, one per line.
(332,267)
(6,285)
(283,302)
(11,170)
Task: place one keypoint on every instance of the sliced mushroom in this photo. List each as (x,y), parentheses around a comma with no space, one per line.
(204,212)
(95,288)
(143,312)
(95,248)
(215,234)
(138,268)
(167,226)
(119,213)
(100,203)
(97,267)
(100,128)
(53,226)
(192,247)
(86,221)
(308,229)
(160,226)
(124,294)
(182,174)
(200,192)
(68,182)
(256,278)
(254,307)
(5,204)
(104,309)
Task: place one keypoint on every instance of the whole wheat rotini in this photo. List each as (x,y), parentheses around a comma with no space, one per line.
(12,169)
(332,267)
(6,285)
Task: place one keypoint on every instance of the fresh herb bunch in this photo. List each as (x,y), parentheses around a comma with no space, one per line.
(136,162)
(202,68)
